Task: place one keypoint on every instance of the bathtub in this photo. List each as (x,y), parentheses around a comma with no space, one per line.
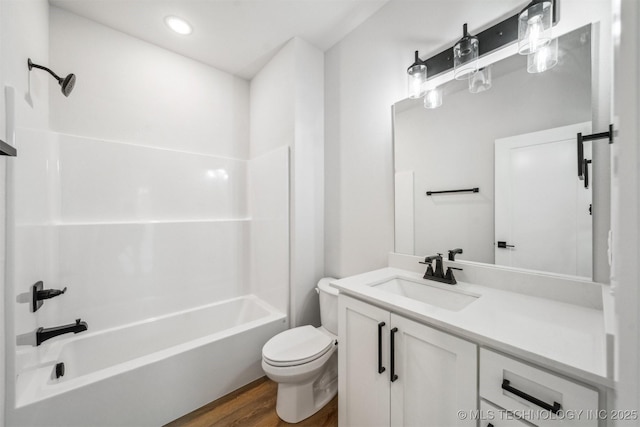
(147,373)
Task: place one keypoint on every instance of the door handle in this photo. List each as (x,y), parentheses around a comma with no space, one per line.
(381,368)
(503,245)
(392,374)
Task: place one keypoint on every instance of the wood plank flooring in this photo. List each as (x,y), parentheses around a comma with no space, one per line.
(253,405)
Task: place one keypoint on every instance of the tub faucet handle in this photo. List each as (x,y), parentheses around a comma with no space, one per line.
(38,294)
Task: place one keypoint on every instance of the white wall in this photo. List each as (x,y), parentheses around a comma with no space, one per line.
(626,196)
(131,91)
(287,110)
(30,91)
(365,74)
(269,227)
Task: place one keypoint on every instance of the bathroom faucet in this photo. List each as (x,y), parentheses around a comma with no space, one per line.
(453,252)
(43,334)
(439,275)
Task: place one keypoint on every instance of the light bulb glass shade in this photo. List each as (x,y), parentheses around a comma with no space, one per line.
(465,56)
(480,80)
(417,77)
(433,98)
(534,26)
(544,59)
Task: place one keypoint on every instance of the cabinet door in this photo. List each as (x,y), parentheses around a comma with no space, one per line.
(437,377)
(363,392)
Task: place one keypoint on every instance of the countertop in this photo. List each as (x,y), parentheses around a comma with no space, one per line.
(565,338)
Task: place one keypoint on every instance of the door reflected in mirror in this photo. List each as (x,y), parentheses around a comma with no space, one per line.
(516,143)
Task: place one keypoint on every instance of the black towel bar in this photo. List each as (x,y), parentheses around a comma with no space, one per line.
(467,190)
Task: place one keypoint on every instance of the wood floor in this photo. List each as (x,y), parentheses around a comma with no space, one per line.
(254,405)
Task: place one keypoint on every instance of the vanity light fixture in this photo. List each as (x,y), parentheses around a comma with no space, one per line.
(534,26)
(465,55)
(417,78)
(480,80)
(531,28)
(433,98)
(178,25)
(544,58)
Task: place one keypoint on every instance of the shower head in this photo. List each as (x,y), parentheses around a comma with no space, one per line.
(66,84)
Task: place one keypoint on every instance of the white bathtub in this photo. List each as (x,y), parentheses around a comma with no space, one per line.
(147,373)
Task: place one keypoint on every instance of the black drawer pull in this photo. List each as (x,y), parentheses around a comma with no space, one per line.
(393,375)
(381,368)
(554,409)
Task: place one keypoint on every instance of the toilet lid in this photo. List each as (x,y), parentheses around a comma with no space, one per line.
(296,346)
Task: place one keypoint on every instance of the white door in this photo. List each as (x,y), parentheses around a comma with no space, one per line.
(542,209)
(363,391)
(437,377)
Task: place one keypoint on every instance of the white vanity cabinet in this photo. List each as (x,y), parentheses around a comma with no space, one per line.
(398,372)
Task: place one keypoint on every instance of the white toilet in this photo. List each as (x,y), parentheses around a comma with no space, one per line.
(304,361)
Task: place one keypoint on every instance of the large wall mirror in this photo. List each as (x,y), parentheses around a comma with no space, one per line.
(515,143)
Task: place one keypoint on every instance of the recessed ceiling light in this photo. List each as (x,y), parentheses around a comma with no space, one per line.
(178,25)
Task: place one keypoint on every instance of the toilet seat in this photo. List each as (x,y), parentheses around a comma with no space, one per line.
(296,346)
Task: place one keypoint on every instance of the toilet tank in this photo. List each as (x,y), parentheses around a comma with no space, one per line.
(328,305)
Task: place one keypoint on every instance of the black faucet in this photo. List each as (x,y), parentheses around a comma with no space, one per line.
(43,334)
(453,252)
(439,275)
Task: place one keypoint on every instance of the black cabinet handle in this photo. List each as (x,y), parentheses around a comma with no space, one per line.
(489,425)
(553,408)
(381,368)
(393,375)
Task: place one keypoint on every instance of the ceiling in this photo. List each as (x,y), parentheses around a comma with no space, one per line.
(236,36)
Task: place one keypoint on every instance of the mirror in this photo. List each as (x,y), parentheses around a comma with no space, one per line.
(522,201)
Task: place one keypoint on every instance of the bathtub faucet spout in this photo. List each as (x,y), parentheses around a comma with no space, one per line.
(43,334)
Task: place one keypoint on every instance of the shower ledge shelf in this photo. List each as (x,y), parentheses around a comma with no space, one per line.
(7,150)
(142,221)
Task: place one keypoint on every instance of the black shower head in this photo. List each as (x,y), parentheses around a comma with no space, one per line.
(67,83)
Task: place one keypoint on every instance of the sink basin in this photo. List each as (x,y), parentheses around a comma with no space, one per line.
(453,300)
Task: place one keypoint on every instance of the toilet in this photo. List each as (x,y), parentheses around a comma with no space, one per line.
(304,361)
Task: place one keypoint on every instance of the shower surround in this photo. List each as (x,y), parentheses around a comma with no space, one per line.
(142,236)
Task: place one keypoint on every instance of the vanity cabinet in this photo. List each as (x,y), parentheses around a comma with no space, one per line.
(398,372)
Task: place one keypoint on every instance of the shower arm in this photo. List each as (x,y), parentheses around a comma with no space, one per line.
(32,65)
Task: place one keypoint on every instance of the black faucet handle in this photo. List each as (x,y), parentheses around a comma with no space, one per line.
(449,277)
(430,259)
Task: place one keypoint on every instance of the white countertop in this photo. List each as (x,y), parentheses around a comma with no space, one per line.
(560,336)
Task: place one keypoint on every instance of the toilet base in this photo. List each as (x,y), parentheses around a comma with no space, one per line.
(296,402)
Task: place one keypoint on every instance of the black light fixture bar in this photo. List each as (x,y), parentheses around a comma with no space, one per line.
(493,38)
(7,150)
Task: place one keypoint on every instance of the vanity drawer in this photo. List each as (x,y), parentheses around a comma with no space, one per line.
(496,417)
(535,394)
